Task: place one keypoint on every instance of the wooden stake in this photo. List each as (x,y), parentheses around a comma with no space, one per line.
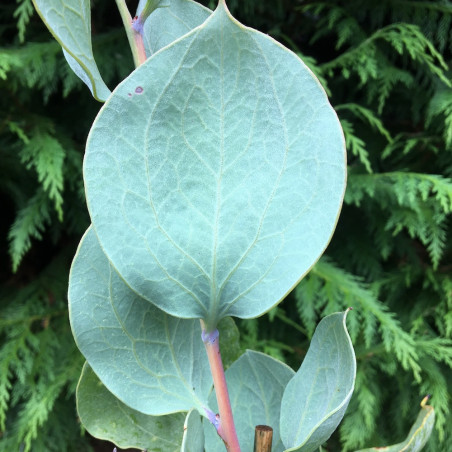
(263,436)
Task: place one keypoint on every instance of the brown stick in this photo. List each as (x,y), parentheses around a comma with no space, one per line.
(263,436)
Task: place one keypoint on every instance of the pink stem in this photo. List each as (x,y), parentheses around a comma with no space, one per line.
(137,27)
(225,425)
(134,33)
(140,47)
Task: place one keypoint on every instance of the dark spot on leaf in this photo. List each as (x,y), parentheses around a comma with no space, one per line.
(139,90)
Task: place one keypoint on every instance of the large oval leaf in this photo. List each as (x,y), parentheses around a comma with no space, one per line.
(154,363)
(256,384)
(70,23)
(215,173)
(105,417)
(316,398)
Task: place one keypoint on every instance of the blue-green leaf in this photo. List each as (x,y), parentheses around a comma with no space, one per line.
(105,417)
(166,24)
(70,23)
(193,440)
(154,363)
(256,384)
(215,173)
(316,398)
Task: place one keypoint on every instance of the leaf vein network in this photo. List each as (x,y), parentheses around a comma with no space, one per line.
(148,178)
(276,184)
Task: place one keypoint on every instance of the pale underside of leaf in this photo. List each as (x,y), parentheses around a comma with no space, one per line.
(417,437)
(154,363)
(70,23)
(215,173)
(256,384)
(316,398)
(169,23)
(107,418)
(193,440)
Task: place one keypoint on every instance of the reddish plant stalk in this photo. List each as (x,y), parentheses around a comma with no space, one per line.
(134,31)
(137,26)
(225,424)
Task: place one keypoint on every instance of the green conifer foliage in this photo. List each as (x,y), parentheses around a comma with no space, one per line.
(386,66)
(44,120)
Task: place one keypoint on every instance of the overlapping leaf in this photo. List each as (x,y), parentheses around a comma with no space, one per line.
(70,23)
(147,7)
(105,417)
(215,173)
(256,384)
(154,363)
(316,398)
(193,440)
(168,23)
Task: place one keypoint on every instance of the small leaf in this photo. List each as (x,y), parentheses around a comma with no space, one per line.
(316,398)
(69,21)
(418,435)
(193,440)
(147,7)
(165,25)
(154,363)
(256,384)
(107,418)
(230,341)
(215,173)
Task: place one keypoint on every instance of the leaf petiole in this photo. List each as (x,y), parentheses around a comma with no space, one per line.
(225,424)
(148,9)
(133,35)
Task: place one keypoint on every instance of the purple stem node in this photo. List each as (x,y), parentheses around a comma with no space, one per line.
(137,24)
(213,418)
(210,338)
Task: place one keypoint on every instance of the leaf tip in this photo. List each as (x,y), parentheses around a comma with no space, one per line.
(425,400)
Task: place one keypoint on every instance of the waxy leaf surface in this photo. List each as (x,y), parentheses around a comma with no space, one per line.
(70,23)
(168,23)
(154,363)
(193,440)
(316,398)
(417,437)
(107,418)
(215,173)
(256,383)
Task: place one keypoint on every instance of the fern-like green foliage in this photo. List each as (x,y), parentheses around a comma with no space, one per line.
(39,363)
(439,115)
(416,202)
(22,14)
(385,71)
(30,223)
(42,139)
(369,57)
